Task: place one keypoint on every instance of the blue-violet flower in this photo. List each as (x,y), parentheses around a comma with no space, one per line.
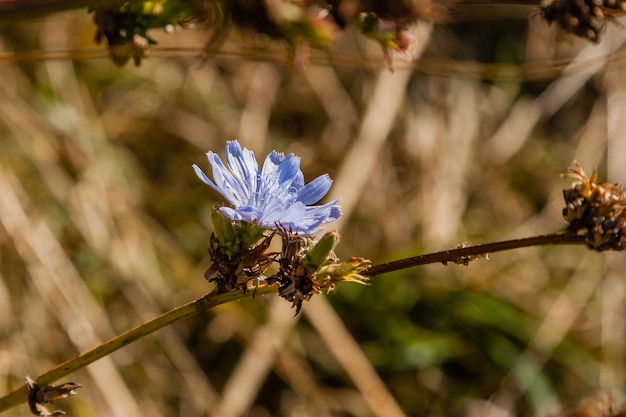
(274,195)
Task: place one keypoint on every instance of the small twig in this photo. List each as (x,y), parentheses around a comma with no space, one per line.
(190,309)
(453,255)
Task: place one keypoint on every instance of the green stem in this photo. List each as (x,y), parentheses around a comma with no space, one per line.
(190,309)
(467,254)
(459,255)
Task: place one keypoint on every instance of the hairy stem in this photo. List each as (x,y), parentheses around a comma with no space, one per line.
(466,254)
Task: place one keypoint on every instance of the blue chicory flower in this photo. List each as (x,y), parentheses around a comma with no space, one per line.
(274,195)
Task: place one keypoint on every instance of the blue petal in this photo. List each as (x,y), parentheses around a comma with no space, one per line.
(315,190)
(326,213)
(243,165)
(203,177)
(317,215)
(273,212)
(298,181)
(294,218)
(228,184)
(335,213)
(303,219)
(288,171)
(246,214)
(275,194)
(269,176)
(271,164)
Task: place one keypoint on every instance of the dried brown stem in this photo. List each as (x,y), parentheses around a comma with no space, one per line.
(470,252)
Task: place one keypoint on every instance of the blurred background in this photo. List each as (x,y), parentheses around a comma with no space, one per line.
(103,224)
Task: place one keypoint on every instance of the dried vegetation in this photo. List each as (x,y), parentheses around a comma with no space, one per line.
(104,225)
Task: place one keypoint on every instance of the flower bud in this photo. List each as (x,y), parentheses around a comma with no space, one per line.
(320,253)
(234,237)
(350,270)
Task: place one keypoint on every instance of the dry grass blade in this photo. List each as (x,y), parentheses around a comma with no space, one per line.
(248,376)
(59,286)
(560,318)
(525,115)
(352,359)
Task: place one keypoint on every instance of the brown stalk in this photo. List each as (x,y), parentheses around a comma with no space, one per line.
(472,252)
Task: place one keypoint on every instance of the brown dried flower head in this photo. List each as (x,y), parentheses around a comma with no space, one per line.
(306,267)
(595,210)
(295,283)
(47,394)
(584,18)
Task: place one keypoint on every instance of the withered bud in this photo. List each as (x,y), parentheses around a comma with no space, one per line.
(320,254)
(595,210)
(38,396)
(294,283)
(307,267)
(350,270)
(583,18)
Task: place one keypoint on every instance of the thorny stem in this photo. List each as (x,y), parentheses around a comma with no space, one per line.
(211,300)
(471,252)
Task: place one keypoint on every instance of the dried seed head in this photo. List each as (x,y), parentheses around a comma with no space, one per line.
(595,210)
(294,283)
(584,18)
(308,267)
(38,396)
